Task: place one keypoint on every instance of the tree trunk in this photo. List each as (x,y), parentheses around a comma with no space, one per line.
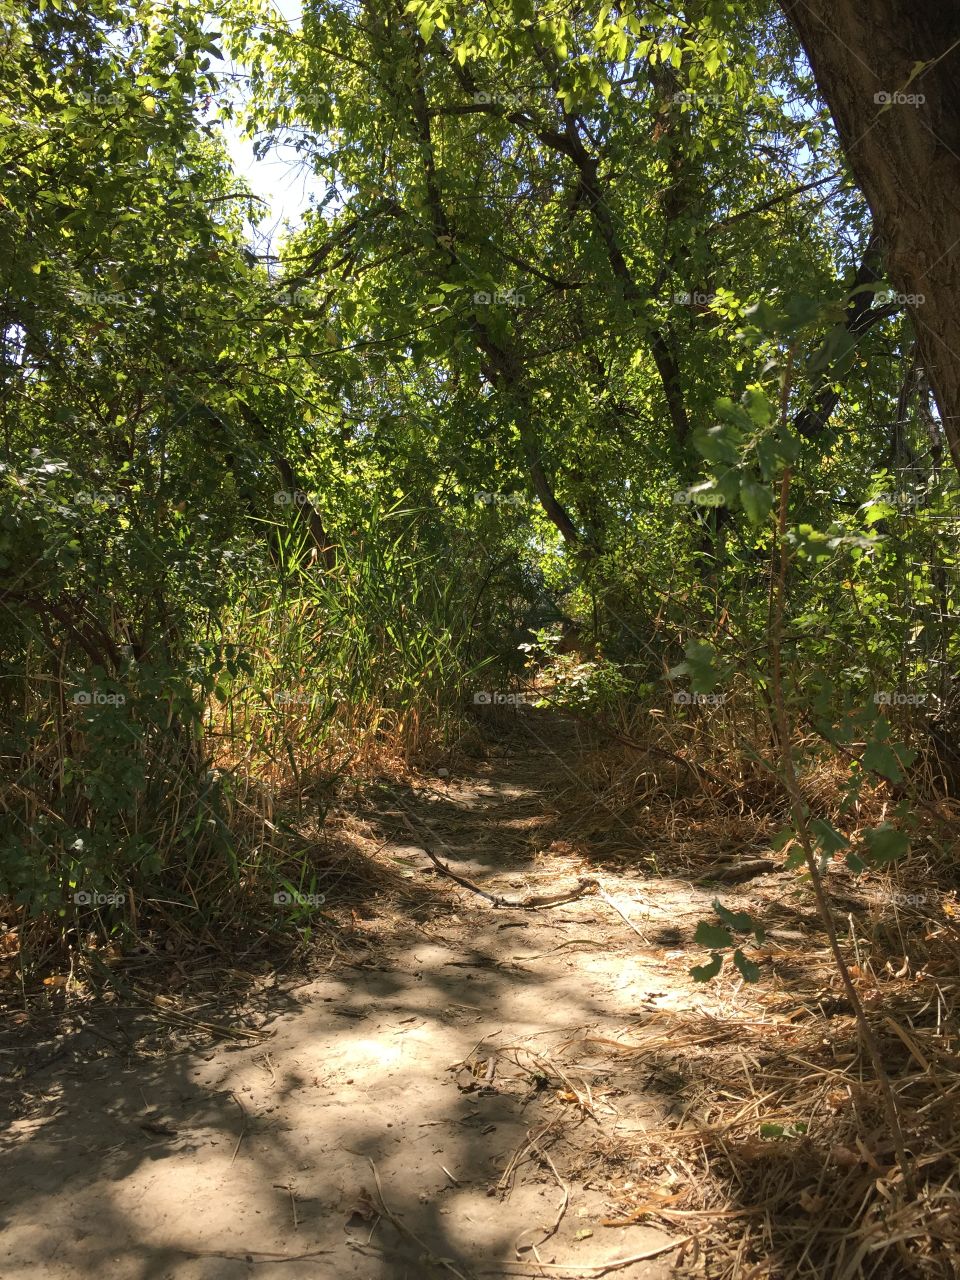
(902,139)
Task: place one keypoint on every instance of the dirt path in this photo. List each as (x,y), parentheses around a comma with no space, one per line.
(465,1097)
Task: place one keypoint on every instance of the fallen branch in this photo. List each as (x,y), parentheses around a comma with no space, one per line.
(592,1269)
(532,902)
(622,914)
(564,1202)
(400,1226)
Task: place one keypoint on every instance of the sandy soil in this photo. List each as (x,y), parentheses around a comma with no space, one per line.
(428,1109)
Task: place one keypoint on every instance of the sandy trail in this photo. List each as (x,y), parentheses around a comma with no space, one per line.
(276,1158)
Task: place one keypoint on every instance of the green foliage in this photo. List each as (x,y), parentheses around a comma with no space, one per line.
(720,941)
(571,683)
(575,300)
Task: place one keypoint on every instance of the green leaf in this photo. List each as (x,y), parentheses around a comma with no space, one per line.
(879,757)
(700,666)
(802,310)
(886,843)
(810,543)
(758,405)
(757,500)
(787,445)
(738,920)
(761,315)
(836,351)
(877,509)
(828,838)
(749,970)
(712,936)
(704,972)
(741,921)
(718,444)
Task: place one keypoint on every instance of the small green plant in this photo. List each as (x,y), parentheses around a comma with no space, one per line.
(574,684)
(719,938)
(771,1130)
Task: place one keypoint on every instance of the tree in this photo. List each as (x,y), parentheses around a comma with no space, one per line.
(888,71)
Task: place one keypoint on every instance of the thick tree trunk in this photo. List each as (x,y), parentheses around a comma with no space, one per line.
(902,139)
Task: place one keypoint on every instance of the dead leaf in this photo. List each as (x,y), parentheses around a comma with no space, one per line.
(364,1208)
(158,1127)
(844,1156)
(655,1200)
(811,1204)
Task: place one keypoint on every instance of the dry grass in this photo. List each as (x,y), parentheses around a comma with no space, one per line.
(820,1195)
(771,1151)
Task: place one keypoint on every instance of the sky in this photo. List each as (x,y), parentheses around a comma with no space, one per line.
(280,179)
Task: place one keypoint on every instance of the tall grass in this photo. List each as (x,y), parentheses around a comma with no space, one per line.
(201,788)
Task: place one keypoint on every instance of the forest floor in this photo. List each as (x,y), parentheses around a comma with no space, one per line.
(458,1088)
